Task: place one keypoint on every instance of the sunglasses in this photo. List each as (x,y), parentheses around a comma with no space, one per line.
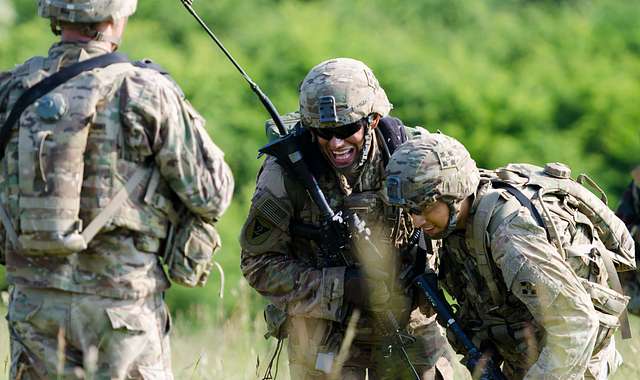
(340,132)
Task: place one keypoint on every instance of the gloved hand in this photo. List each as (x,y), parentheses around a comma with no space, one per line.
(372,291)
(356,288)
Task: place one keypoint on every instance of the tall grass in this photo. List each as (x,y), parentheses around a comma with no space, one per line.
(209,346)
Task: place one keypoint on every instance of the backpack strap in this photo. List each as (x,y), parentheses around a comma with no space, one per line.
(391,133)
(480,240)
(114,205)
(48,84)
(614,283)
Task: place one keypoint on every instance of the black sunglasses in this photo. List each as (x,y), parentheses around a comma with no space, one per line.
(340,132)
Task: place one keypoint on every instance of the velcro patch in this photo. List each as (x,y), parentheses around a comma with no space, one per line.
(269,208)
(447,159)
(528,288)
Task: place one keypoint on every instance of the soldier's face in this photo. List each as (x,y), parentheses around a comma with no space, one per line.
(433,220)
(342,152)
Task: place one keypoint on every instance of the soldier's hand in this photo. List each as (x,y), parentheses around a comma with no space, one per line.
(366,291)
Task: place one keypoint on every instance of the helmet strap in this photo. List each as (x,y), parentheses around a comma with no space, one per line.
(99,36)
(454,210)
(55,26)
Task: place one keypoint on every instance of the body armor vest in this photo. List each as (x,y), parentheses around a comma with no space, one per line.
(65,167)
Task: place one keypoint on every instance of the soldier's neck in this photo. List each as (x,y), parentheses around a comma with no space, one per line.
(75,36)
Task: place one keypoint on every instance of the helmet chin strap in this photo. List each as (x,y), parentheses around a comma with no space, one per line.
(454,210)
(359,162)
(100,36)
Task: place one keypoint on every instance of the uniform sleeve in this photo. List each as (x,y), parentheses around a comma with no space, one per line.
(172,131)
(269,264)
(536,274)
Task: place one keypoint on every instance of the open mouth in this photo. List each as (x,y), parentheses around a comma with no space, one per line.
(344,157)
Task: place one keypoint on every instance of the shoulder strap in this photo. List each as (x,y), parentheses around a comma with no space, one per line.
(392,134)
(479,240)
(114,205)
(523,199)
(49,83)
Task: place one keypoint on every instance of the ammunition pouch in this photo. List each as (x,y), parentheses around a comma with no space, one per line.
(190,249)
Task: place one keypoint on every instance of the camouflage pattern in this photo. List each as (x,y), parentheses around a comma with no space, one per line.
(547,325)
(86,11)
(141,119)
(100,337)
(426,170)
(356,91)
(629,212)
(288,270)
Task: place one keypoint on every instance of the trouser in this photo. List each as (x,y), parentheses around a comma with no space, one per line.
(60,335)
(313,349)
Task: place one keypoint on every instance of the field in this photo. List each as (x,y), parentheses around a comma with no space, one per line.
(514,80)
(234,348)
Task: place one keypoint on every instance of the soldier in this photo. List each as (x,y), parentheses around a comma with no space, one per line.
(537,297)
(343,110)
(94,173)
(629,212)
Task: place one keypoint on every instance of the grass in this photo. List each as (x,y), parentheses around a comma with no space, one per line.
(208,346)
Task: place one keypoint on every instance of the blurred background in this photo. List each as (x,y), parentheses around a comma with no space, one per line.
(514,80)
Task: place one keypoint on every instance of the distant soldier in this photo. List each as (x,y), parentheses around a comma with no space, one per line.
(530,277)
(346,135)
(629,212)
(95,172)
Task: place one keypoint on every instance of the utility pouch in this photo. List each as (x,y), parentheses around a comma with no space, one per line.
(606,300)
(275,319)
(609,306)
(190,250)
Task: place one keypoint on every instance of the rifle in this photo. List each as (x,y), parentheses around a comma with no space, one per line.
(488,368)
(353,229)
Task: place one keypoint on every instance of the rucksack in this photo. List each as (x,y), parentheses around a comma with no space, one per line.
(52,140)
(529,184)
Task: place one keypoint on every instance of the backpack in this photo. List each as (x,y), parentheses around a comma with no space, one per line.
(55,115)
(534,187)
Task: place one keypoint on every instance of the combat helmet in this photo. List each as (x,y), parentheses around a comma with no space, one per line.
(340,91)
(431,168)
(86,11)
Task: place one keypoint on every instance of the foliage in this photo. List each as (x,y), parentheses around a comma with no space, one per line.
(516,81)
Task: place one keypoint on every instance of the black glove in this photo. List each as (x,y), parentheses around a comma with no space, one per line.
(356,289)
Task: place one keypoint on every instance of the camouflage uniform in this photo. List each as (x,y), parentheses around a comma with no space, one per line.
(629,212)
(544,324)
(289,270)
(101,310)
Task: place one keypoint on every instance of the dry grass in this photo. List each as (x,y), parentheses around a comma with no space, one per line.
(234,348)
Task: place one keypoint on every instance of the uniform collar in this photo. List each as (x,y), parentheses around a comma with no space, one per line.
(65,53)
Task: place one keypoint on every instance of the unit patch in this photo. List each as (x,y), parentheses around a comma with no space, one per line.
(528,288)
(258,231)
